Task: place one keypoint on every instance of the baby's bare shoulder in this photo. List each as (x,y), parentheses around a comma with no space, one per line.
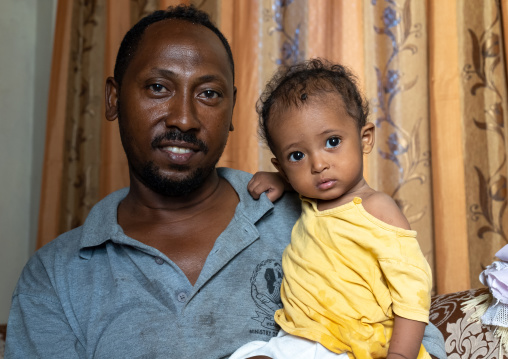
(384,208)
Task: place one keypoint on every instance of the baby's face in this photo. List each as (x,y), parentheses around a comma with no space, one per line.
(318,147)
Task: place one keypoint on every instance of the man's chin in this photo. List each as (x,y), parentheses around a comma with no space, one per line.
(181,183)
(179,169)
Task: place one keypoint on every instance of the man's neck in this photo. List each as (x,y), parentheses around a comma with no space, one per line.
(141,197)
(183,228)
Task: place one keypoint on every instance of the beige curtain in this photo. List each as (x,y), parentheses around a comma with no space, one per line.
(72,158)
(483,92)
(434,73)
(450,218)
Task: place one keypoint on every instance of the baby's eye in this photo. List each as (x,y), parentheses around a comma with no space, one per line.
(296,156)
(332,142)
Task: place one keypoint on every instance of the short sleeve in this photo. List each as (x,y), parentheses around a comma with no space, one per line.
(409,281)
(37,326)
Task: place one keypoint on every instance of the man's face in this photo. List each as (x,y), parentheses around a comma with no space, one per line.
(175,106)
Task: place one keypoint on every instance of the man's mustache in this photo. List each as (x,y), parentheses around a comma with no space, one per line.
(177,135)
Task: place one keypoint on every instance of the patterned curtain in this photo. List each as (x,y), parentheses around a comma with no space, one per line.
(484,107)
(435,76)
(433,71)
(72,157)
(397,85)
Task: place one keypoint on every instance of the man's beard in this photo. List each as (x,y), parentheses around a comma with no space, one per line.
(152,178)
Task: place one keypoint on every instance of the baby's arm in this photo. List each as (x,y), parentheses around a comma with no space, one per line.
(406,338)
(270,182)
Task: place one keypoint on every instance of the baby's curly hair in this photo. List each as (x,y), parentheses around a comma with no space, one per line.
(292,86)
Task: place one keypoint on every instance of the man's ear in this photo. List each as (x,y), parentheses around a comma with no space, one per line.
(112,91)
(231,127)
(277,165)
(367,135)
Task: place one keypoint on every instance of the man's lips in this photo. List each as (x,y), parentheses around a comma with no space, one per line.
(179,147)
(177,150)
(181,140)
(179,155)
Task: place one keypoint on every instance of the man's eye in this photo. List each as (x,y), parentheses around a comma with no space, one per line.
(210,94)
(156,87)
(332,142)
(296,156)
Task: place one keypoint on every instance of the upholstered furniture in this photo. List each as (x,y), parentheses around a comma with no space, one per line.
(463,339)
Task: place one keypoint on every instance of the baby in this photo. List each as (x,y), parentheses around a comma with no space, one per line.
(356,283)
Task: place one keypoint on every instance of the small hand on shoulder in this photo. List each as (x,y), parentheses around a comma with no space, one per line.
(271,183)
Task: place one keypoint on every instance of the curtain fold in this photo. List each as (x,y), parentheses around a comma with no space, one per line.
(82,136)
(450,219)
(242,31)
(114,171)
(433,71)
(335,32)
(49,212)
(483,103)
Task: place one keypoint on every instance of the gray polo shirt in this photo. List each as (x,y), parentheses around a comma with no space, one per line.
(95,293)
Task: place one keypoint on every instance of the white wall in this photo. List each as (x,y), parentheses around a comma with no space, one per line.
(26,36)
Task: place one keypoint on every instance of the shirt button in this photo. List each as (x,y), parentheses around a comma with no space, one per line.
(159,260)
(182,297)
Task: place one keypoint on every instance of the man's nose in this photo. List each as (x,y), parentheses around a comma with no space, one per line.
(183,113)
(319,164)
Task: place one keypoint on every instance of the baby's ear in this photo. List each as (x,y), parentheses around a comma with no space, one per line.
(277,165)
(367,135)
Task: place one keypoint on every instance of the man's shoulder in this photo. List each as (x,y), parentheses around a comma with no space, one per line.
(233,176)
(102,215)
(40,269)
(66,248)
(61,245)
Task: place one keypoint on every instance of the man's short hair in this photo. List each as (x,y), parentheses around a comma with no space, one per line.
(188,13)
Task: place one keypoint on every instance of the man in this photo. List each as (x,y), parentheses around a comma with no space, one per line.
(184,263)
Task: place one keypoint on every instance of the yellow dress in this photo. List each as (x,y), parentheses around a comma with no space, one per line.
(345,274)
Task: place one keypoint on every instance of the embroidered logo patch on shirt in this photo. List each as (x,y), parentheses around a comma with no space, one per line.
(265,291)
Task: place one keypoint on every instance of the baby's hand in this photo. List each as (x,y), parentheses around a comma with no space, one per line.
(270,182)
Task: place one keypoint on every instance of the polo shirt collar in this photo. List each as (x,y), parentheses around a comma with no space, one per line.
(102,225)
(253,209)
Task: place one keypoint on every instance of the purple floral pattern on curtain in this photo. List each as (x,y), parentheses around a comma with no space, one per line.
(290,43)
(403,147)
